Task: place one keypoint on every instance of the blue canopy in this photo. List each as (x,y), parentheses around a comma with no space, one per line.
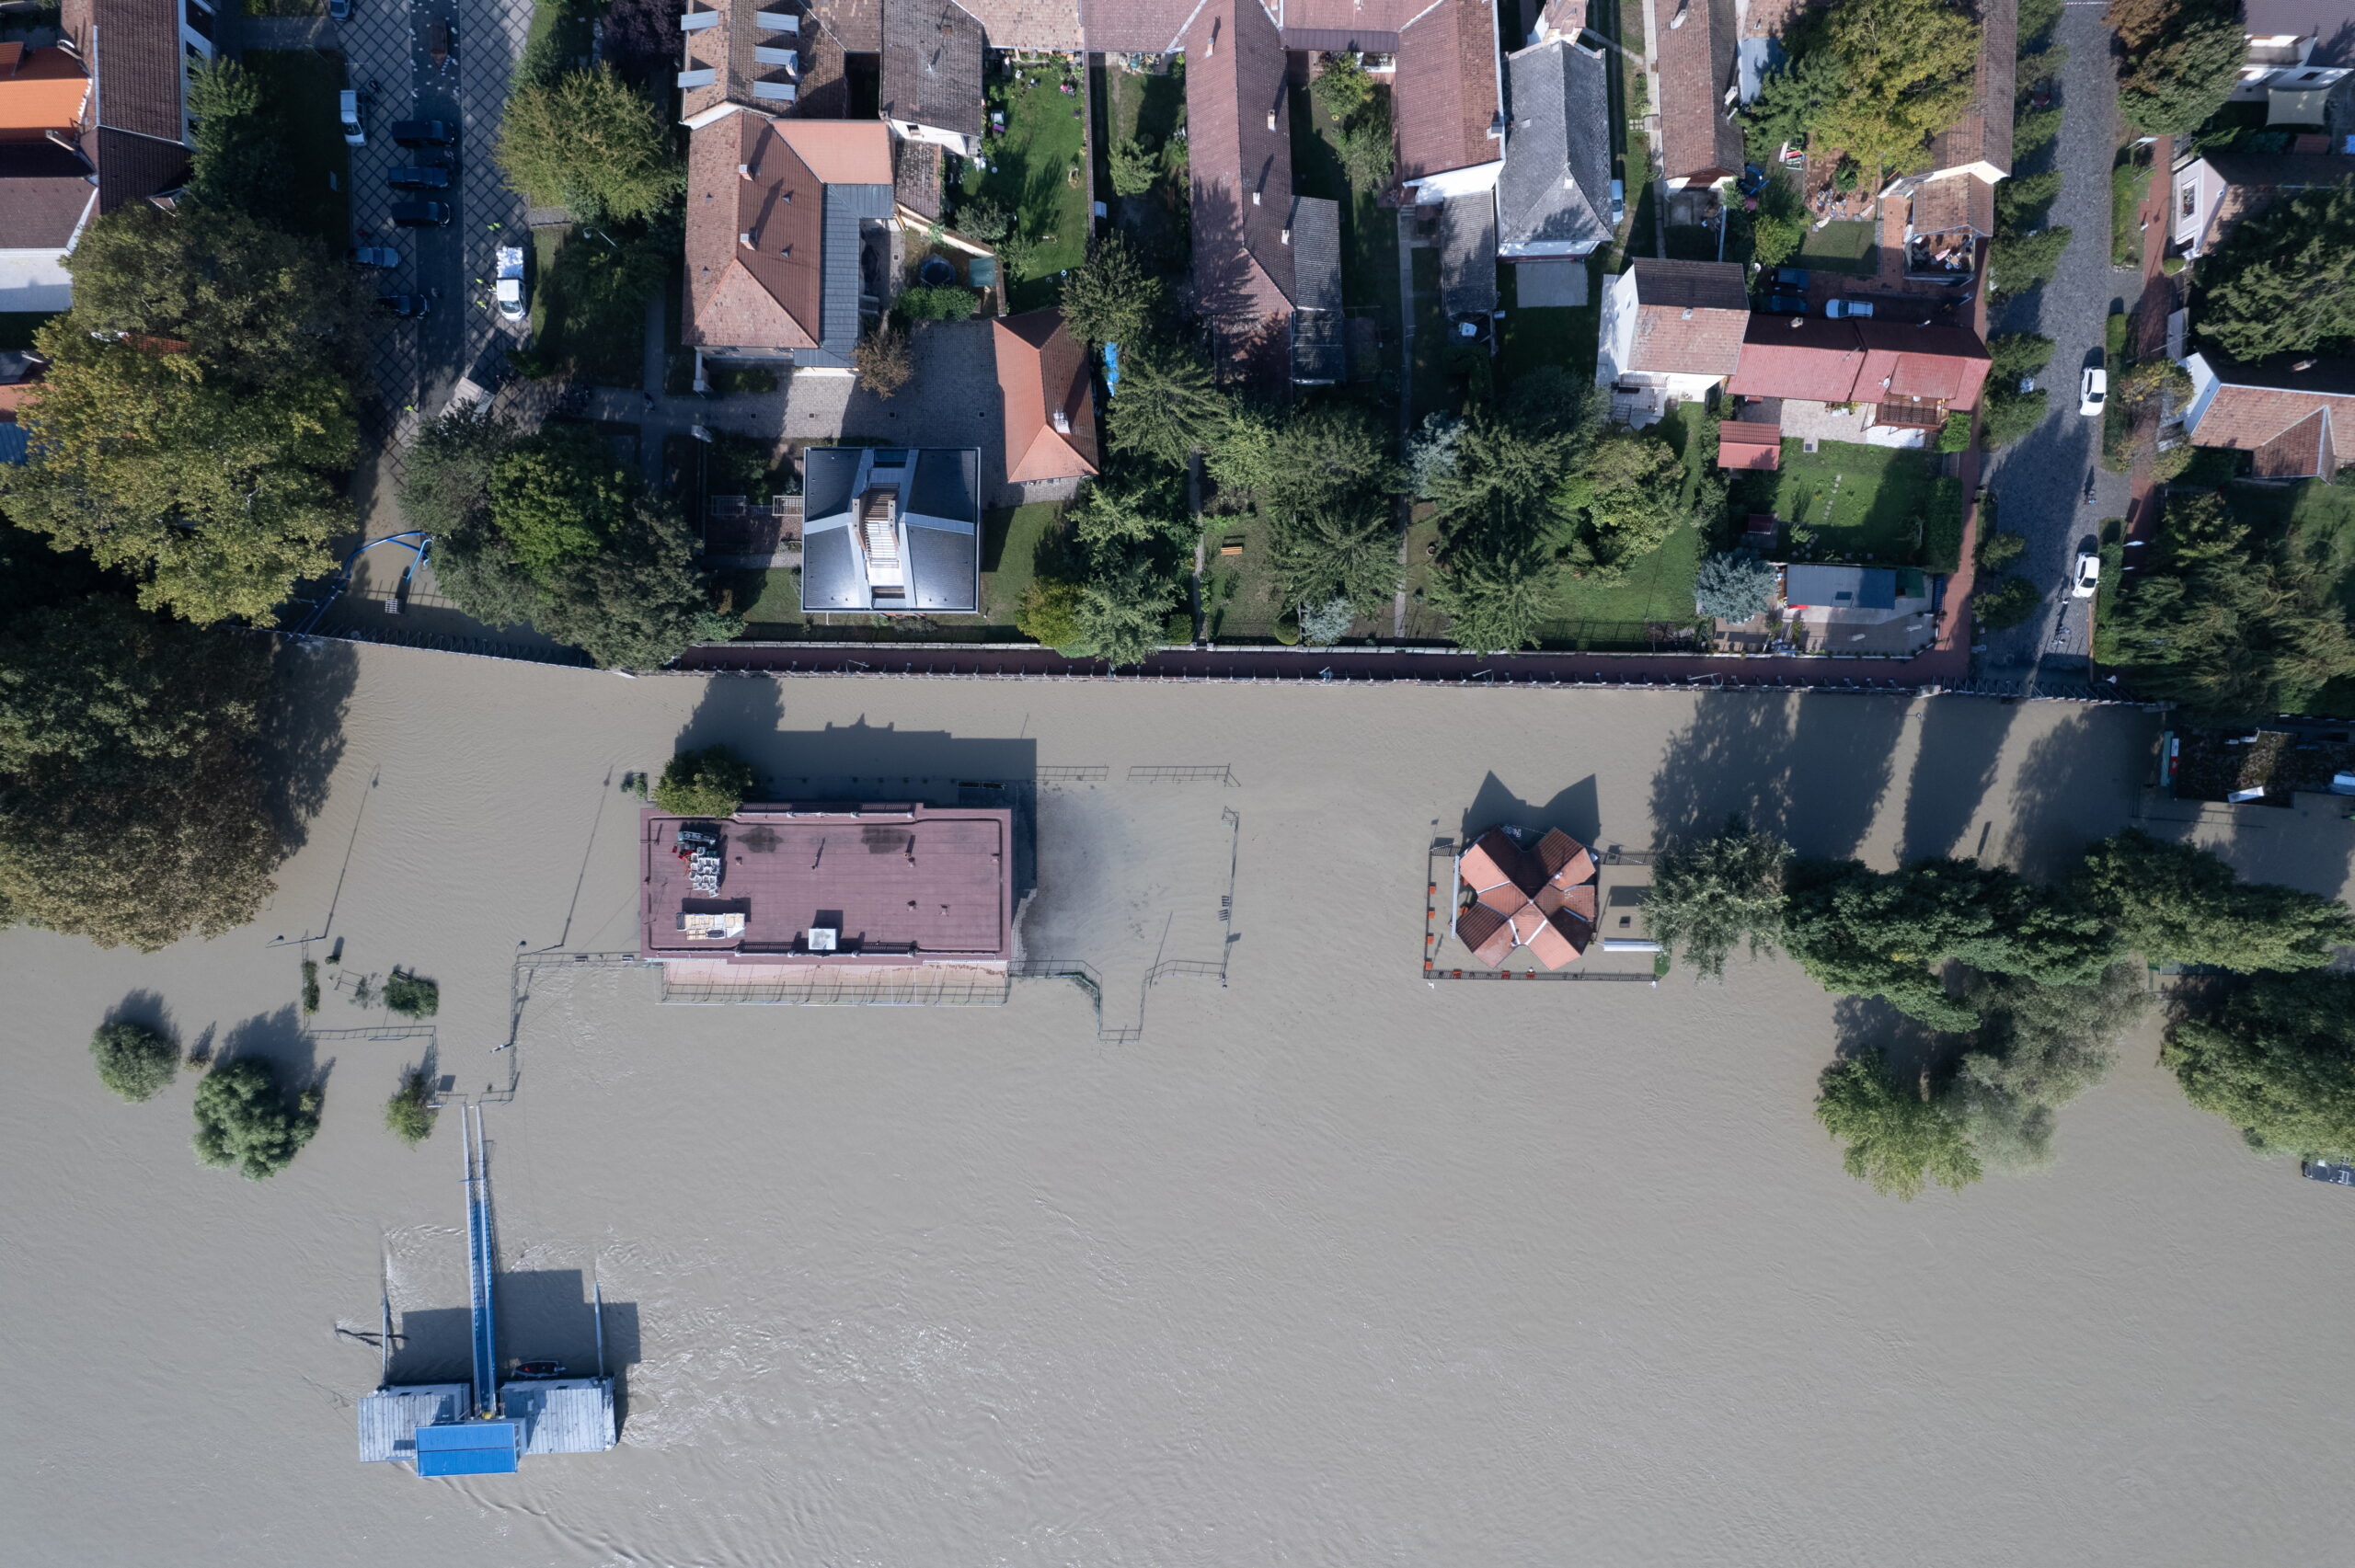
(469,1448)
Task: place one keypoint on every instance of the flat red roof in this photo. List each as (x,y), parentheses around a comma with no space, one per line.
(898,884)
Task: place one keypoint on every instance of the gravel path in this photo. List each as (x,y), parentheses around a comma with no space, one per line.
(2039,482)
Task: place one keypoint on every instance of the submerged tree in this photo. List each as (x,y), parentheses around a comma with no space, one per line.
(2180,904)
(409,1115)
(134,1061)
(1713,895)
(1896,1138)
(2277,1060)
(243,1119)
(712,781)
(2039,1047)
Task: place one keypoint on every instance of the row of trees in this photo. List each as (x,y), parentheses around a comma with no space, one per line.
(546,529)
(2283,281)
(2039,977)
(2179,60)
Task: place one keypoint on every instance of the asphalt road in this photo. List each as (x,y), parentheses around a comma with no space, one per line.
(2040,482)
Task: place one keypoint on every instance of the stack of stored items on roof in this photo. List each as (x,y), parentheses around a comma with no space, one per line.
(699,847)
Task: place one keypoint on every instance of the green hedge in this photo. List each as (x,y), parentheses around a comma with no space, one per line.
(1942,527)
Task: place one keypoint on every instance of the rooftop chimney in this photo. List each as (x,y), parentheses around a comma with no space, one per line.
(1684,9)
(745,171)
(1254,199)
(1271,119)
(1062,423)
(745,239)
(1287,236)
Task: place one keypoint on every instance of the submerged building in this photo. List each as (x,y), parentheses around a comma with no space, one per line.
(891,530)
(1520,890)
(487,1425)
(785,887)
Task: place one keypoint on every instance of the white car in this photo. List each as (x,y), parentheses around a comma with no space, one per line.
(510,281)
(1838,308)
(347,103)
(2094,392)
(2086,580)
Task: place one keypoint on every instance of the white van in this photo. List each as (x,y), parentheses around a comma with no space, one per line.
(347,103)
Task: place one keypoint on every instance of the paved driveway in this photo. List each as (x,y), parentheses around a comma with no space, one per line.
(2039,482)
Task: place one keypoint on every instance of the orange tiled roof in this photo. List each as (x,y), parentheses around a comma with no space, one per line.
(1042,370)
(43,89)
(1541,898)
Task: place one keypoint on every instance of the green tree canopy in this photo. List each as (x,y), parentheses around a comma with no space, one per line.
(556,495)
(1167,409)
(1906,72)
(1734,585)
(1109,297)
(1865,933)
(1115,520)
(1326,488)
(243,1119)
(2284,281)
(131,808)
(712,781)
(1496,592)
(195,403)
(2180,904)
(1710,895)
(1120,612)
(1344,86)
(590,143)
(1628,498)
(2181,60)
(2277,1060)
(409,1115)
(2038,1047)
(1896,1138)
(134,1061)
(2223,626)
(1792,101)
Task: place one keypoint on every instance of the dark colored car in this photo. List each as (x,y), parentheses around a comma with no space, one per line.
(1783,305)
(418,176)
(1792,276)
(406,304)
(420,214)
(424,132)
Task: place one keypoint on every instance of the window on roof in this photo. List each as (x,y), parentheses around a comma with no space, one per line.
(2190,199)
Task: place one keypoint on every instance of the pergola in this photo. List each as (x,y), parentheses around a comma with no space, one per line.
(1537,896)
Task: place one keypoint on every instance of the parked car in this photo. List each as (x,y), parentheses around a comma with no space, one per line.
(420,214)
(347,103)
(1783,305)
(372,256)
(2086,579)
(418,176)
(510,281)
(1839,308)
(437,40)
(1792,278)
(406,304)
(340,9)
(2094,391)
(424,132)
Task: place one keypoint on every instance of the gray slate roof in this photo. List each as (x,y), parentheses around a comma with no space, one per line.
(1316,253)
(1467,255)
(1554,193)
(838,304)
(1840,588)
(940,527)
(932,66)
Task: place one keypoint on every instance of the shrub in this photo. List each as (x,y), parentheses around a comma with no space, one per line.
(1998,549)
(2008,603)
(1343,86)
(2012,414)
(1321,625)
(1734,585)
(1048,613)
(727,379)
(945,302)
(409,1115)
(134,1061)
(1132,168)
(243,1119)
(709,783)
(1430,451)
(310,985)
(1955,434)
(1896,1140)
(883,360)
(1942,526)
(2016,263)
(412,996)
(1775,238)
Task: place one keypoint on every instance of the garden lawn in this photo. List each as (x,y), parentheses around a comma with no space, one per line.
(589,302)
(2127,182)
(1434,388)
(1238,595)
(1030,174)
(1151,112)
(1658,588)
(1844,246)
(298,88)
(1865,503)
(1532,338)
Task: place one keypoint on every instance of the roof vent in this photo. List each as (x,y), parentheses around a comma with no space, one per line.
(1688,312)
(822,938)
(785,250)
(1062,422)
(1797,322)
(785,197)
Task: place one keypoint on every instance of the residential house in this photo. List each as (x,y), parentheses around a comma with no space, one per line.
(2299,32)
(2294,417)
(1049,398)
(892,530)
(1447,102)
(1670,331)
(1238,136)
(1555,198)
(2213,193)
(1691,44)
(785,223)
(47,187)
(739,55)
(1320,350)
(20,374)
(932,73)
(1745,446)
(1901,381)
(1951,207)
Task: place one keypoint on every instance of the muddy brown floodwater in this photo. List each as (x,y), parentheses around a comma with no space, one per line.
(1331,1266)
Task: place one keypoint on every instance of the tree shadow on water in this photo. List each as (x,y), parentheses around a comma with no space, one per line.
(1911,1049)
(1812,768)
(1961,740)
(301,731)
